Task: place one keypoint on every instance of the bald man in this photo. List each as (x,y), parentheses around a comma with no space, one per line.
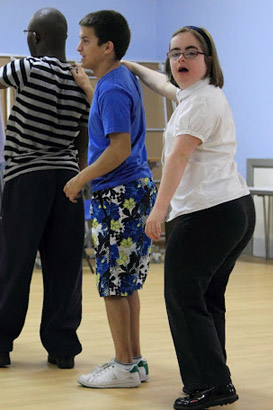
(46,145)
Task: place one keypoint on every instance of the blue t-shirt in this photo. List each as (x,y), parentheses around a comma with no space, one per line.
(117,107)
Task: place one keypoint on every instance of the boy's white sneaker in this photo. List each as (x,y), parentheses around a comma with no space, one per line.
(102,366)
(143,369)
(111,376)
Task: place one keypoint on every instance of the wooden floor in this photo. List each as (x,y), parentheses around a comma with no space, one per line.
(31,384)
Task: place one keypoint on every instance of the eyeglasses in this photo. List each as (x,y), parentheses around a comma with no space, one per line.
(174,55)
(33,32)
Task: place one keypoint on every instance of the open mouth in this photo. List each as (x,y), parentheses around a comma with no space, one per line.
(183,70)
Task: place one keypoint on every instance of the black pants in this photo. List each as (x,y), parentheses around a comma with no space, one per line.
(201,252)
(37,215)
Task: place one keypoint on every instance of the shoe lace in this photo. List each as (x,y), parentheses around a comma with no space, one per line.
(107,368)
(103,365)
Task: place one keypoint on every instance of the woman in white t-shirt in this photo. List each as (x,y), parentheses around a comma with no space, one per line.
(211,212)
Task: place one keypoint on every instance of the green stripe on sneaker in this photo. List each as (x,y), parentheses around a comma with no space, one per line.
(134,369)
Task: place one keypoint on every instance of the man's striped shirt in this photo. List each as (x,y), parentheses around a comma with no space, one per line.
(46,117)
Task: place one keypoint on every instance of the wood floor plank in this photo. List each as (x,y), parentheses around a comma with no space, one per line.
(31,384)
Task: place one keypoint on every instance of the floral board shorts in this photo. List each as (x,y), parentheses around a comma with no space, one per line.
(122,248)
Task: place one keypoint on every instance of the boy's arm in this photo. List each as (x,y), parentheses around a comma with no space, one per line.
(115,154)
(83,81)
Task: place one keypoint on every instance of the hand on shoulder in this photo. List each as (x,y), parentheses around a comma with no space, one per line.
(82,80)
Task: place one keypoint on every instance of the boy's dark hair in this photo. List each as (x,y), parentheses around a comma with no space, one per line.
(109,25)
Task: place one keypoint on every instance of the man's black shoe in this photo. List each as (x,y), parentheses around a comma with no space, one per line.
(63,362)
(4,359)
(200,400)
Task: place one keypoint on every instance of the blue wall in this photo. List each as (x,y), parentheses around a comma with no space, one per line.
(242,30)
(139,13)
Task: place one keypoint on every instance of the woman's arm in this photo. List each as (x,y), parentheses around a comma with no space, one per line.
(83,81)
(153,79)
(172,175)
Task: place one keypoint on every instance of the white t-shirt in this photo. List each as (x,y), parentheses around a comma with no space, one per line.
(211,176)
(2,136)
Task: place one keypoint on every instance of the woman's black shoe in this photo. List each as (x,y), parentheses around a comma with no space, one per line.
(185,390)
(4,359)
(200,400)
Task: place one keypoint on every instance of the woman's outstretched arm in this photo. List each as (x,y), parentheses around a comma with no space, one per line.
(153,79)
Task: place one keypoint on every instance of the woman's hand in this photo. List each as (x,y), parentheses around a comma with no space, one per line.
(155,80)
(73,189)
(153,225)
(129,65)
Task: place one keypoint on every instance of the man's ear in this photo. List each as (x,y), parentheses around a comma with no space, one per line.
(37,38)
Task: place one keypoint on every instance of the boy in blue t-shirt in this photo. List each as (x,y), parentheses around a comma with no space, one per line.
(123,192)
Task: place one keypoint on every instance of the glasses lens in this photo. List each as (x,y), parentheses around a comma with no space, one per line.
(174,55)
(190,54)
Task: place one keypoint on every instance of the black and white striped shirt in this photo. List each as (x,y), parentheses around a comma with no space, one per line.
(46,117)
